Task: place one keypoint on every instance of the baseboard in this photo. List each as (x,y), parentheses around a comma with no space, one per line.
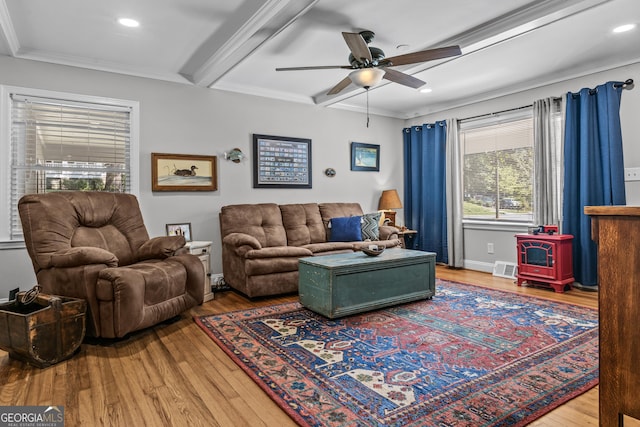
(478,266)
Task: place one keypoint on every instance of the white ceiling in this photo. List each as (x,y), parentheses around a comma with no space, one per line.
(507,45)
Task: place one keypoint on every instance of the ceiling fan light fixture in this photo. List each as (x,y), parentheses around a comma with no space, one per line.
(366,77)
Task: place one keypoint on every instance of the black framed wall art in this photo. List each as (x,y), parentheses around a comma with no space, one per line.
(281,162)
(365,157)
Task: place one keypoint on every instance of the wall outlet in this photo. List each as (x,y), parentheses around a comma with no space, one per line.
(632,174)
(489,248)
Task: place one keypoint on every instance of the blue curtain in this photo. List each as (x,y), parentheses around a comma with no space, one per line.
(425,186)
(594,169)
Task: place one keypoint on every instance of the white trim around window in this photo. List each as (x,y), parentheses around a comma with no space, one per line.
(5,145)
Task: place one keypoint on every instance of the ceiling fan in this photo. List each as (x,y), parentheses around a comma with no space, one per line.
(370,65)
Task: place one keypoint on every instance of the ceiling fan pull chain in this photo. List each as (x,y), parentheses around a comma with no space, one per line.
(367,89)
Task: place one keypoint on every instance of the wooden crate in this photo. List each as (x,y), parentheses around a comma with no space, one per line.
(343,284)
(44,332)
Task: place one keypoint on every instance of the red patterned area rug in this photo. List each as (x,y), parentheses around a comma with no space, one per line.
(471,356)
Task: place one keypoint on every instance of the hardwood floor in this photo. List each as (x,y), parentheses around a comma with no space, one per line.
(174,374)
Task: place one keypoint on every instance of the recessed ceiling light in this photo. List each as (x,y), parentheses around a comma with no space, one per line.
(426,90)
(128,22)
(624,28)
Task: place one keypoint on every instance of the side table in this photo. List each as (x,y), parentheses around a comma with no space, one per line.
(408,238)
(203,251)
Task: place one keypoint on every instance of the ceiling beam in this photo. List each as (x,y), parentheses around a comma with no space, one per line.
(7,31)
(252,24)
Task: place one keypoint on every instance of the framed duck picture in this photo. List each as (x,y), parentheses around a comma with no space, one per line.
(183,172)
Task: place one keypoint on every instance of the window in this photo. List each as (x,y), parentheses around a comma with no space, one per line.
(63,142)
(498,166)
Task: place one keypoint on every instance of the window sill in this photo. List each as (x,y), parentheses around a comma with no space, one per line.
(516,227)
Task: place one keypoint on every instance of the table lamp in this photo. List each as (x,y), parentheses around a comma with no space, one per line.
(389,200)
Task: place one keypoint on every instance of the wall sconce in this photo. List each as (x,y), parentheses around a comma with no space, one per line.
(234,155)
(389,200)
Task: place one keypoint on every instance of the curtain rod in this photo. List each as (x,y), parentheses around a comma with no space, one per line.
(627,83)
(497,112)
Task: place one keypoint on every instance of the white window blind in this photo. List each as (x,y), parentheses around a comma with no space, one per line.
(63,145)
(498,166)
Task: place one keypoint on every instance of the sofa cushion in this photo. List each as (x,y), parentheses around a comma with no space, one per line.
(345,229)
(303,224)
(321,248)
(335,210)
(263,221)
(370,226)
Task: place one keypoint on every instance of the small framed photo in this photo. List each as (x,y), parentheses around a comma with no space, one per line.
(183,229)
(281,162)
(365,157)
(183,172)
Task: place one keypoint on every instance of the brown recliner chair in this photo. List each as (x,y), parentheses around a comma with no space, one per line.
(95,246)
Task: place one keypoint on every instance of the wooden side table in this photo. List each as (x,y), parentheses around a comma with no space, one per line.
(203,251)
(408,238)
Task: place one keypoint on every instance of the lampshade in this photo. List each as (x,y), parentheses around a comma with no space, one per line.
(389,200)
(366,77)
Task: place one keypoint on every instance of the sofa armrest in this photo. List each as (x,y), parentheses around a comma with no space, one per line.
(279,252)
(80,256)
(388,232)
(160,247)
(240,243)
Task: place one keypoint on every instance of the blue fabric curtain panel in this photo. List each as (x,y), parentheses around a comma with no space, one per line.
(425,186)
(594,169)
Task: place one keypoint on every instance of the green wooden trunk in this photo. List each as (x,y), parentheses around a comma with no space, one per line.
(342,284)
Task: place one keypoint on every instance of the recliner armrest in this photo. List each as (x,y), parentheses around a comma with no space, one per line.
(80,256)
(160,247)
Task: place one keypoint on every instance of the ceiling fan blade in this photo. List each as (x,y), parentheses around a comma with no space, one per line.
(319,67)
(402,78)
(423,55)
(338,88)
(358,46)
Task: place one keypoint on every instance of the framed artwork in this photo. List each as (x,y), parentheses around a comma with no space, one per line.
(365,157)
(183,172)
(183,229)
(281,162)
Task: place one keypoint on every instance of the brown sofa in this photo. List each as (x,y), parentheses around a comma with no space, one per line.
(261,243)
(94,246)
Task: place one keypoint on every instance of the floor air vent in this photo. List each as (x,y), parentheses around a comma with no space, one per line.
(505,269)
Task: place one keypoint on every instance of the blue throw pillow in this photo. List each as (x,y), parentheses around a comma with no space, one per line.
(345,229)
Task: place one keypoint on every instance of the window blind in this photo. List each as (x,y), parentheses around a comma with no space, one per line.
(61,145)
(498,166)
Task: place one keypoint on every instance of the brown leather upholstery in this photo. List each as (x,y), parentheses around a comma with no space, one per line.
(261,243)
(95,246)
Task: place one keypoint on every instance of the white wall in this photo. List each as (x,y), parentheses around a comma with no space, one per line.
(476,239)
(178,118)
